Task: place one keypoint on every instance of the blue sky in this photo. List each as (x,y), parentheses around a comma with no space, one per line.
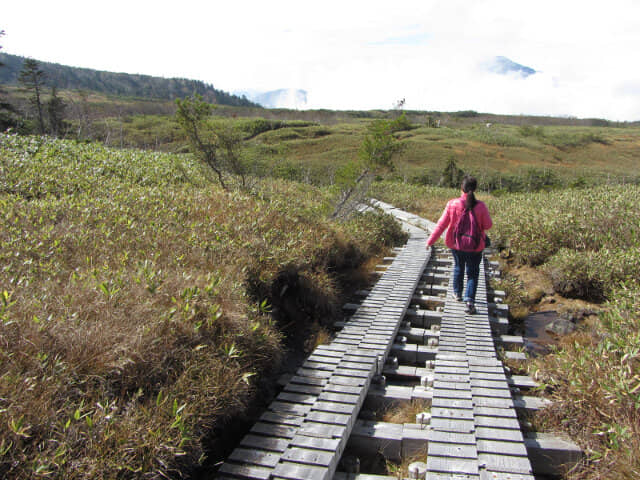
(358,54)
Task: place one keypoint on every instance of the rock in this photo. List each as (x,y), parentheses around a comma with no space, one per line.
(560,326)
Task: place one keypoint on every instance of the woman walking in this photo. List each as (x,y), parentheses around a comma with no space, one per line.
(467,219)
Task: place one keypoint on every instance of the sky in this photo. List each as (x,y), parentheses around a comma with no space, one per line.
(354,54)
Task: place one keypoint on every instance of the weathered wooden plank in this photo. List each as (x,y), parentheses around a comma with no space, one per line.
(452,465)
(339,388)
(297,398)
(329,418)
(314,429)
(488,433)
(289,408)
(264,443)
(320,458)
(306,389)
(315,442)
(455,413)
(451,437)
(273,430)
(551,455)
(296,471)
(255,457)
(452,425)
(497,422)
(494,412)
(505,463)
(453,450)
(274,417)
(246,471)
(451,403)
(333,407)
(501,447)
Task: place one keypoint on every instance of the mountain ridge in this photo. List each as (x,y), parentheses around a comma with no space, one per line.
(123,84)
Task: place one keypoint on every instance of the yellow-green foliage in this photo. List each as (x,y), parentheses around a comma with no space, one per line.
(127,328)
(589,239)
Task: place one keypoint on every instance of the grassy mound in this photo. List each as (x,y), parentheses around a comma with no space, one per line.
(134,302)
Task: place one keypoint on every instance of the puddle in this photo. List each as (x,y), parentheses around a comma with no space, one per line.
(537,340)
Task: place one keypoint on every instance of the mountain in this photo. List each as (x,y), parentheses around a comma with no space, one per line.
(122,84)
(505,66)
(282,98)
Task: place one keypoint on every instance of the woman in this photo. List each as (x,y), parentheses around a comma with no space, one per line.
(468,258)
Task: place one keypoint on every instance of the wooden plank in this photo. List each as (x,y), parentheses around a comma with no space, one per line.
(333,407)
(296,471)
(255,457)
(459,413)
(505,463)
(451,437)
(315,429)
(246,471)
(530,403)
(488,433)
(274,417)
(450,465)
(339,388)
(329,418)
(317,443)
(452,425)
(339,398)
(453,450)
(451,402)
(497,422)
(273,430)
(494,412)
(551,455)
(264,443)
(297,398)
(501,447)
(306,389)
(307,456)
(289,408)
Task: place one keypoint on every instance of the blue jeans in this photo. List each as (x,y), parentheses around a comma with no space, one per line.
(469,261)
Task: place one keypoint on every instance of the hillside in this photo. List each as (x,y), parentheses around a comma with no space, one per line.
(121,84)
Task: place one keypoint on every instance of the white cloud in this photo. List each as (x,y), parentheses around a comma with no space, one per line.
(358,54)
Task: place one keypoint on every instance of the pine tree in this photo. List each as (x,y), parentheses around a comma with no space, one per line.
(32,78)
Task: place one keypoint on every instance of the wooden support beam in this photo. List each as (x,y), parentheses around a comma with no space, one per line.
(551,455)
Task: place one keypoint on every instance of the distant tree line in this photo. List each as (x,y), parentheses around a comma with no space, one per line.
(121,84)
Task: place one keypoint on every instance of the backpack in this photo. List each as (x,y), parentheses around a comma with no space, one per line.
(467,232)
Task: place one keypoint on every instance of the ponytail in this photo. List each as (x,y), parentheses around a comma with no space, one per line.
(469,185)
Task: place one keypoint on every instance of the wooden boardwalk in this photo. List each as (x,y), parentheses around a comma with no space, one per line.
(474,431)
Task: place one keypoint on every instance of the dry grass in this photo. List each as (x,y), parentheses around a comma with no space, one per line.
(406,413)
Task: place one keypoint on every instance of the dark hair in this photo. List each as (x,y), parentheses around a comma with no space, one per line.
(469,185)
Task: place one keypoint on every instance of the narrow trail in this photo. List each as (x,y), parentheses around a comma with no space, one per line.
(408,340)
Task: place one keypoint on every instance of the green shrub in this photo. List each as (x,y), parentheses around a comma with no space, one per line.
(573,275)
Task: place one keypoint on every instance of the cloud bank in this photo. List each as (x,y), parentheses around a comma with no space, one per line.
(360,54)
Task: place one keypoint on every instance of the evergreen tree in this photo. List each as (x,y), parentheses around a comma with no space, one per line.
(451,175)
(7,118)
(32,78)
(55,110)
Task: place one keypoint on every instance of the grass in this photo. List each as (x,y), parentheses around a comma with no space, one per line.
(141,306)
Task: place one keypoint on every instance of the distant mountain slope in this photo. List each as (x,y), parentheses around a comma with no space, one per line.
(503,66)
(130,85)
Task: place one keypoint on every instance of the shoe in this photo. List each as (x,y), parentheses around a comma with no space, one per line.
(458,297)
(471,309)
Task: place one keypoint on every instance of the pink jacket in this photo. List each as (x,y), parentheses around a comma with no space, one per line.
(452,212)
